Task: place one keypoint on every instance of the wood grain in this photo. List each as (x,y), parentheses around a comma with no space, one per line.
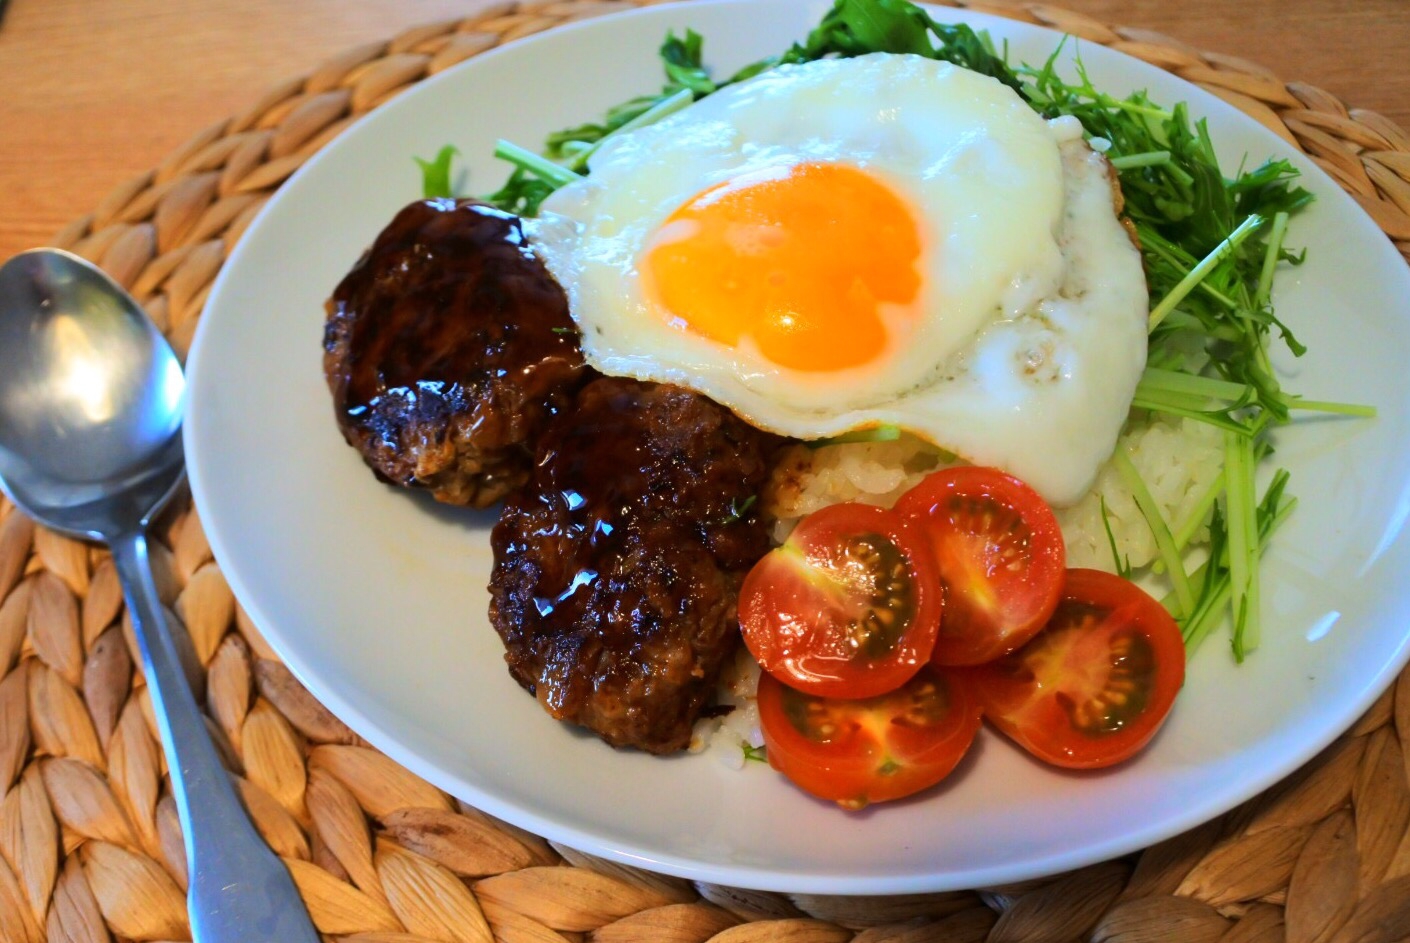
(99,92)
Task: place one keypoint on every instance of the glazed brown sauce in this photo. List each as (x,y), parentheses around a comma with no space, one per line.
(617,567)
(617,475)
(595,471)
(448,296)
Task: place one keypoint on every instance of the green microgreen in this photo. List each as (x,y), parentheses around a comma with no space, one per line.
(1133,161)
(885,432)
(1214,575)
(1120,562)
(1164,540)
(435,174)
(738,509)
(851,28)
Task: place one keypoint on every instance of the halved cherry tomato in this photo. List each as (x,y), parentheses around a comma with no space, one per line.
(847,607)
(1000,554)
(1093,687)
(856,752)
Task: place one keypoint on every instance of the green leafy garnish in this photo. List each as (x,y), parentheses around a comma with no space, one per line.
(1164,539)
(521,194)
(851,28)
(1214,575)
(885,432)
(1210,256)
(435,174)
(1241,515)
(859,27)
(756,754)
(737,509)
(1122,563)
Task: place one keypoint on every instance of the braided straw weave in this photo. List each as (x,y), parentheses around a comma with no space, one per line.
(89,841)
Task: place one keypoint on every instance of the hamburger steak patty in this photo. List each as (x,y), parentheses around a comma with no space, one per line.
(447,349)
(617,568)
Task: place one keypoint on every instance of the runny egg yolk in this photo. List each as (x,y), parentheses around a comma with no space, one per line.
(816,263)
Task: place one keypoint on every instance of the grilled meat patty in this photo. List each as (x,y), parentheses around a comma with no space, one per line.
(447,348)
(617,568)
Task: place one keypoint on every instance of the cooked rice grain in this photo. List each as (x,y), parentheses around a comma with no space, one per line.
(727,736)
(1178,459)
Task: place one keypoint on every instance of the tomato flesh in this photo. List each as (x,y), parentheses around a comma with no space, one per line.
(1095,685)
(1001,559)
(848,607)
(856,752)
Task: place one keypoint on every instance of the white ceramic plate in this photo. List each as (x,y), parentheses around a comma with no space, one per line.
(377,600)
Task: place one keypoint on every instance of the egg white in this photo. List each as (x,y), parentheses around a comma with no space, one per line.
(1033,297)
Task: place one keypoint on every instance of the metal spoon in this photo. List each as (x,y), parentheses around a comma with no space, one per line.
(91,399)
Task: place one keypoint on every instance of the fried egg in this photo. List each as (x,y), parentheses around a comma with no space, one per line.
(848,243)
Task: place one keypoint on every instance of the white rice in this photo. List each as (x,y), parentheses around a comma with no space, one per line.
(728,736)
(1179,460)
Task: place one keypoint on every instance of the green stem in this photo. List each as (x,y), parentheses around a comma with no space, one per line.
(1202,270)
(539,166)
(1145,159)
(1322,406)
(1178,381)
(1164,540)
(1186,531)
(1270,258)
(1196,630)
(1152,242)
(1243,541)
(666,106)
(886,432)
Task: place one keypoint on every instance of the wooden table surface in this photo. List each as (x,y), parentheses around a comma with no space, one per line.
(97,92)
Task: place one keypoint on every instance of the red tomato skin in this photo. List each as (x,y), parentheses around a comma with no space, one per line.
(993,603)
(849,769)
(1027,708)
(788,607)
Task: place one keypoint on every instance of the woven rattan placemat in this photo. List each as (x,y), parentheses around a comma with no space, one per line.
(89,842)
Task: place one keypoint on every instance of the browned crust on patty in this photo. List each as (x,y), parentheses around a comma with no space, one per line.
(617,569)
(447,349)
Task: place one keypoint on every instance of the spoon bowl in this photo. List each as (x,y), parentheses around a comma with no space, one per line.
(91,400)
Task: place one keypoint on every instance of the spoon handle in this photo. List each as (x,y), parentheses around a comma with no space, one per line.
(239,891)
